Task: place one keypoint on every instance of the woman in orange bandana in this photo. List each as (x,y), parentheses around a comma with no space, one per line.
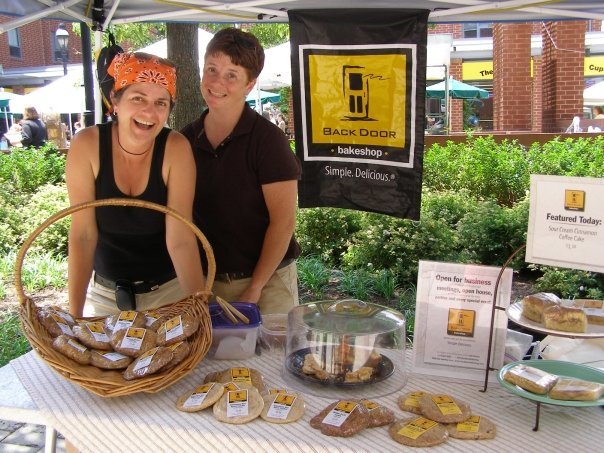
(137,258)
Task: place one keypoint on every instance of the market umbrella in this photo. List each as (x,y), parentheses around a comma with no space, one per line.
(264,96)
(12,101)
(457,90)
(594,95)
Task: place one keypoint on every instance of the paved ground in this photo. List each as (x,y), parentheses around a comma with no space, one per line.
(24,438)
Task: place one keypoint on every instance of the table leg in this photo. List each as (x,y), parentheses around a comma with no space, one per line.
(50,440)
(537,413)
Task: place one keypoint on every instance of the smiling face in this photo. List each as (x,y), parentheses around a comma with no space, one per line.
(224,84)
(143,108)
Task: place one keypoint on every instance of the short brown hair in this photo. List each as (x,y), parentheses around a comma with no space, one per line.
(243,49)
(30,113)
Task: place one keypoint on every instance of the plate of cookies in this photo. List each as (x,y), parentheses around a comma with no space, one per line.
(554,382)
(309,367)
(547,313)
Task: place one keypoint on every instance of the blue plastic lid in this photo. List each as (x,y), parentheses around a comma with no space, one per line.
(220,320)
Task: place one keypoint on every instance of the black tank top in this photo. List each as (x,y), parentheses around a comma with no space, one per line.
(131,241)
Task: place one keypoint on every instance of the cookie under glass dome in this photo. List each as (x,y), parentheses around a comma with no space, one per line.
(346,348)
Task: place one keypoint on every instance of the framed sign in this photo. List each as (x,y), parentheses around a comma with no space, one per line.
(453,319)
(566,222)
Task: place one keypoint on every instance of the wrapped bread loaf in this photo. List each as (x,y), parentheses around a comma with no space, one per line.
(530,378)
(109,360)
(379,415)
(56,322)
(133,341)
(410,401)
(93,335)
(534,305)
(576,390)
(72,348)
(200,397)
(176,329)
(150,362)
(239,406)
(124,320)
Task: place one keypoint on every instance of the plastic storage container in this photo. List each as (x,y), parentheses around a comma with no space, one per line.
(273,331)
(346,348)
(234,341)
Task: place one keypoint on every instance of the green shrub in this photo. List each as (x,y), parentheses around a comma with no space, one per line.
(313,275)
(326,232)
(447,205)
(26,169)
(389,243)
(570,157)
(567,283)
(490,233)
(48,200)
(13,343)
(485,168)
(10,224)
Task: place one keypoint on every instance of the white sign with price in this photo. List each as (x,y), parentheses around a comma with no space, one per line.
(566,222)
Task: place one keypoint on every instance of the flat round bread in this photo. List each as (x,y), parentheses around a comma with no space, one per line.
(150,362)
(444,408)
(409,402)
(243,377)
(133,341)
(72,348)
(181,350)
(200,397)
(239,406)
(474,428)
(283,407)
(418,432)
(56,322)
(154,320)
(93,335)
(176,329)
(355,418)
(379,415)
(109,360)
(124,320)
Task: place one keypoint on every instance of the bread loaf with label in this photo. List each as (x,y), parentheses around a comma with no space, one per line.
(530,378)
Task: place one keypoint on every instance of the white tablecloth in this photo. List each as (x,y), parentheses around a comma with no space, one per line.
(150,422)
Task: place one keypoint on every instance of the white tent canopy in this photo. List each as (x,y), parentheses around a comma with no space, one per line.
(277,71)
(64,95)
(594,95)
(160,48)
(239,11)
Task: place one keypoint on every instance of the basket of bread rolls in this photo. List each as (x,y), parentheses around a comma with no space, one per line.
(128,352)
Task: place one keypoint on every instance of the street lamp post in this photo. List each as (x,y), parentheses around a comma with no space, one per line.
(62,37)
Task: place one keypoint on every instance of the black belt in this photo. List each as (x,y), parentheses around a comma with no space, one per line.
(227,277)
(140,287)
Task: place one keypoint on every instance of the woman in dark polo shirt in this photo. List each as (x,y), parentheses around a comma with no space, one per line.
(247,180)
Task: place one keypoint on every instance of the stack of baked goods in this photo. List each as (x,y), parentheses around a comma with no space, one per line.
(348,365)
(238,395)
(556,387)
(140,343)
(437,417)
(562,315)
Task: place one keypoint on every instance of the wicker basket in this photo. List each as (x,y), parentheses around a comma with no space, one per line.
(111,383)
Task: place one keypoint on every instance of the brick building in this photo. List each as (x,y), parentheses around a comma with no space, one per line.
(535,71)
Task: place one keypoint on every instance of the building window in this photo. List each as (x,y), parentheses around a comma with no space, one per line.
(478,30)
(14,43)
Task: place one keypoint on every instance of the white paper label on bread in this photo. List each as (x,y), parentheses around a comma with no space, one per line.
(174,328)
(114,356)
(150,318)
(134,338)
(75,345)
(125,320)
(62,324)
(145,360)
(539,380)
(97,331)
(281,406)
(197,397)
(340,413)
(237,403)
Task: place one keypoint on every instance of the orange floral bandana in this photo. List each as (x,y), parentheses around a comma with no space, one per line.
(129,68)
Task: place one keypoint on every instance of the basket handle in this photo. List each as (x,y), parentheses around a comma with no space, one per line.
(113,202)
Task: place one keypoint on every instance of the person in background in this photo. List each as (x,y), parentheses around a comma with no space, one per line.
(33,130)
(138,258)
(597,112)
(247,180)
(281,122)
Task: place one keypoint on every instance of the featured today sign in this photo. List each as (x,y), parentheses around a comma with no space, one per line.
(566,222)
